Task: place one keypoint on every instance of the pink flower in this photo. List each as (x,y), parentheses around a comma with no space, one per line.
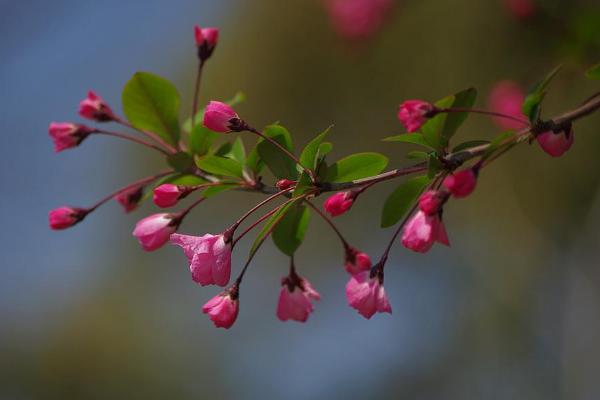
(154,231)
(295,298)
(357,19)
(431,201)
(67,134)
(414,113)
(167,195)
(206,41)
(365,293)
(520,9)
(223,308)
(65,217)
(219,117)
(130,198)
(209,257)
(94,108)
(284,184)
(339,203)
(422,230)
(556,144)
(506,97)
(462,183)
(356,261)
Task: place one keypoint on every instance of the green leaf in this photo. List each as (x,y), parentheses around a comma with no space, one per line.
(433,129)
(533,100)
(462,99)
(151,103)
(201,139)
(400,200)
(239,97)
(223,150)
(469,144)
(220,166)
(309,156)
(214,190)
(417,155)
(279,163)
(356,166)
(238,151)
(324,149)
(289,232)
(253,162)
(414,138)
(593,72)
(434,166)
(273,219)
(180,161)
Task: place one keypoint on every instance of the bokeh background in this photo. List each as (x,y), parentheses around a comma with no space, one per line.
(510,311)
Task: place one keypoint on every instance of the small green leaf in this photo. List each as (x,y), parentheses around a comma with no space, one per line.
(238,151)
(462,99)
(201,139)
(468,145)
(434,166)
(400,200)
(356,166)
(273,219)
(220,166)
(309,156)
(214,190)
(253,162)
(531,104)
(180,161)
(414,138)
(223,150)
(289,232)
(324,149)
(433,129)
(593,72)
(151,103)
(239,97)
(280,164)
(417,155)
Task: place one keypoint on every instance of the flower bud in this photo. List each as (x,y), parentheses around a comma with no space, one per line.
(66,135)
(167,195)
(284,184)
(130,198)
(357,19)
(65,217)
(295,298)
(94,108)
(339,203)
(431,201)
(154,231)
(556,144)
(223,308)
(414,113)
(206,41)
(520,9)
(506,97)
(365,293)
(422,231)
(356,261)
(462,183)
(219,117)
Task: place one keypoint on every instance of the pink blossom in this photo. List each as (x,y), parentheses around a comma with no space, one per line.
(154,231)
(219,117)
(167,195)
(130,198)
(65,217)
(366,294)
(223,308)
(461,183)
(414,113)
(356,261)
(209,257)
(431,201)
(94,108)
(67,134)
(422,231)
(506,97)
(295,299)
(521,9)
(339,203)
(206,41)
(556,144)
(357,19)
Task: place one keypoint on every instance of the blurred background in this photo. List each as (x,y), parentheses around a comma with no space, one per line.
(511,310)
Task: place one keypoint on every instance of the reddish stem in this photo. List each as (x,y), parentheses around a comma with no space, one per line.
(485,112)
(330,223)
(132,139)
(152,135)
(196,93)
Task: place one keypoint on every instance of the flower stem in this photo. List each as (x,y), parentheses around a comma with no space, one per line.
(485,112)
(132,139)
(151,135)
(189,208)
(256,207)
(330,223)
(196,93)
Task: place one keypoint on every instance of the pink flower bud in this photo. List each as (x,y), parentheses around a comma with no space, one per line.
(209,257)
(66,135)
(339,203)
(154,231)
(219,117)
(365,293)
(461,183)
(65,217)
(356,261)
(506,97)
(520,9)
(94,108)
(167,195)
(284,184)
(556,144)
(223,308)
(206,41)
(357,19)
(295,299)
(431,201)
(414,113)
(130,198)
(422,231)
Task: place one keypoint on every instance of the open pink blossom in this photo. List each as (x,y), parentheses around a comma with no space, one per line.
(414,113)
(130,198)
(506,97)
(556,144)
(223,308)
(295,299)
(461,183)
(422,231)
(521,9)
(339,203)
(219,117)
(154,231)
(94,108)
(65,217)
(167,195)
(431,201)
(66,135)
(357,19)
(365,293)
(356,261)
(209,257)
